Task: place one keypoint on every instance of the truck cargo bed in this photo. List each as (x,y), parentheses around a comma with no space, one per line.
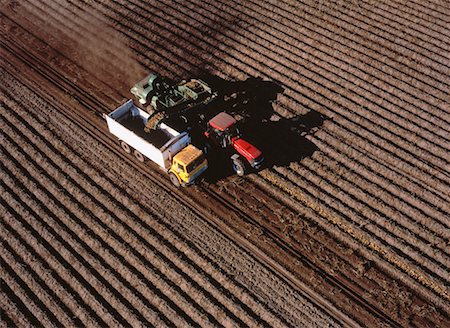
(136,124)
(127,123)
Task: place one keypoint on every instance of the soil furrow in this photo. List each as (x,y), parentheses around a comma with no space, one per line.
(323,73)
(326,35)
(376,207)
(12,305)
(139,228)
(410,157)
(93,174)
(381,171)
(437,36)
(348,233)
(389,21)
(380,34)
(336,161)
(294,40)
(49,303)
(380,234)
(85,256)
(436,12)
(129,270)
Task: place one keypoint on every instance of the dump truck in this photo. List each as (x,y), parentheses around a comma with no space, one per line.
(170,149)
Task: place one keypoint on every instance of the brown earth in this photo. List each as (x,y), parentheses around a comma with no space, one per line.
(347,225)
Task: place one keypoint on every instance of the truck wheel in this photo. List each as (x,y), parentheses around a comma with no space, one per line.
(238,166)
(139,156)
(173,178)
(125,147)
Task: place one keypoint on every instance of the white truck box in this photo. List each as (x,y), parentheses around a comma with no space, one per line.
(127,123)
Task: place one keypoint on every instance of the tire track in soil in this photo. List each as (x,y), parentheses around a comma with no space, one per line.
(348,233)
(335,265)
(389,233)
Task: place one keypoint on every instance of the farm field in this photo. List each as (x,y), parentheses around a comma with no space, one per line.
(347,225)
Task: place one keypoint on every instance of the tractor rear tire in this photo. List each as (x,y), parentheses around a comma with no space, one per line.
(174,179)
(125,147)
(139,156)
(239,166)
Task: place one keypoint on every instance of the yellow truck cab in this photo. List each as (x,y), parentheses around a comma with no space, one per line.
(187,165)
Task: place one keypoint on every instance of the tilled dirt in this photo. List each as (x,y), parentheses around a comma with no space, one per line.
(347,224)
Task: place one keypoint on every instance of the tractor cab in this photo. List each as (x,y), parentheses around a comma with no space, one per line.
(223,130)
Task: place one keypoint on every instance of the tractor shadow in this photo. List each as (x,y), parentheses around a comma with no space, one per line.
(281,140)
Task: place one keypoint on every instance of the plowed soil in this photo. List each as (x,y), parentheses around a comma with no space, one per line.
(346,225)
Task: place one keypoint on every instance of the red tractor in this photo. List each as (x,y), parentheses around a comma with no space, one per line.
(223,132)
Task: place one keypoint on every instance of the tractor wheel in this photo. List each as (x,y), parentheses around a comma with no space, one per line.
(238,166)
(125,147)
(139,156)
(173,178)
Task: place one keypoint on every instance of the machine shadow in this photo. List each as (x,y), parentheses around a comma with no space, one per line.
(281,140)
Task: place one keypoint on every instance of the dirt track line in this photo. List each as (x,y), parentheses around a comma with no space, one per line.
(35,306)
(418,6)
(421,25)
(72,240)
(349,231)
(391,22)
(372,167)
(48,302)
(62,165)
(326,72)
(72,274)
(402,222)
(379,35)
(353,215)
(401,240)
(414,211)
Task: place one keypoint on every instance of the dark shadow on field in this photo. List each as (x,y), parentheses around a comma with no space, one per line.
(281,140)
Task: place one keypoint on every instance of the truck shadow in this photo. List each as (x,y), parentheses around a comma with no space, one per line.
(282,140)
